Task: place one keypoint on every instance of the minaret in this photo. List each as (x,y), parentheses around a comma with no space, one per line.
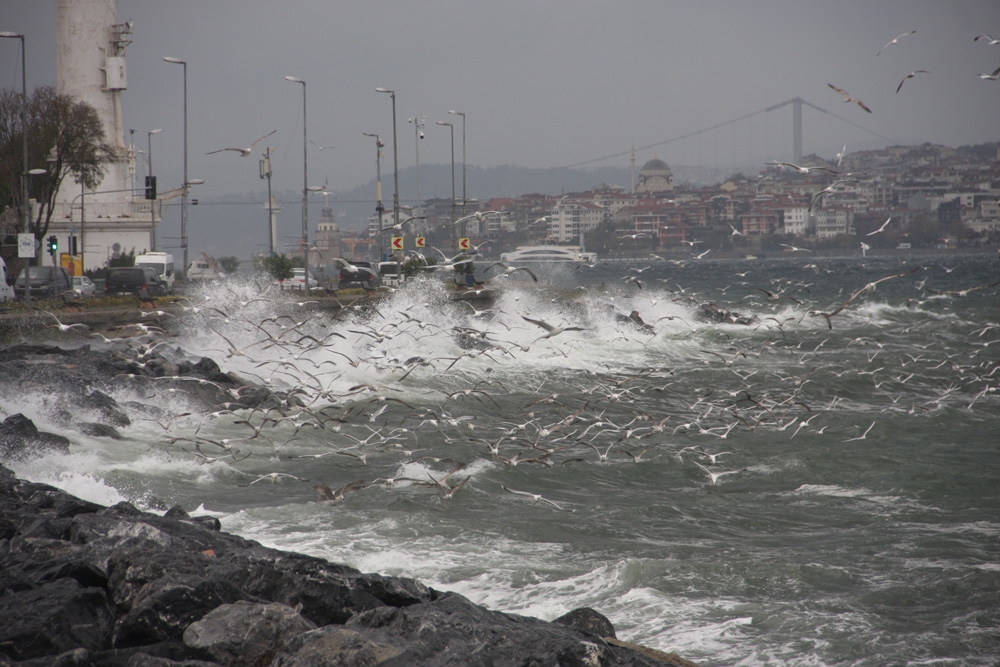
(633,168)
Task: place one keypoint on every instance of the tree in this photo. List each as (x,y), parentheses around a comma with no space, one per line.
(65,137)
(278,267)
(229,264)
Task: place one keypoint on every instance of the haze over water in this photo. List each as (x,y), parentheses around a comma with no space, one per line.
(859,523)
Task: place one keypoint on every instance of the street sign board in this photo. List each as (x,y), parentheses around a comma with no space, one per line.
(464,244)
(420,242)
(397,242)
(26,245)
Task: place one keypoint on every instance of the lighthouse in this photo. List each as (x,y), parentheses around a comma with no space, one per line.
(90,66)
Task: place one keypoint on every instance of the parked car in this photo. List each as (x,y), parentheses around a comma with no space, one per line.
(84,286)
(142,281)
(6,291)
(298,280)
(45,281)
(365,277)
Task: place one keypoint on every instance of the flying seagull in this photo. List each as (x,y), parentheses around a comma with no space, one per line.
(803,170)
(880,229)
(992,76)
(910,76)
(894,41)
(990,39)
(867,289)
(507,270)
(243,151)
(848,98)
(552,330)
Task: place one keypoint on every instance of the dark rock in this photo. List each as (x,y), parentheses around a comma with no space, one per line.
(95,430)
(246,633)
(53,618)
(588,620)
(19,438)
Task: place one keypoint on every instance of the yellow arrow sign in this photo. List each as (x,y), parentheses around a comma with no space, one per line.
(464,244)
(420,242)
(397,242)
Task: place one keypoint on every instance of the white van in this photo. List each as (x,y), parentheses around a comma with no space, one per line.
(162,263)
(6,291)
(199,269)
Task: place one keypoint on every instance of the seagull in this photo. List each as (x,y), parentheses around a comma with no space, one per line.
(507,270)
(552,330)
(880,229)
(736,232)
(792,248)
(335,496)
(894,41)
(714,476)
(702,254)
(990,39)
(992,76)
(273,477)
(870,287)
(803,170)
(910,76)
(243,151)
(848,98)
(66,327)
(535,498)
(864,249)
(862,436)
(633,279)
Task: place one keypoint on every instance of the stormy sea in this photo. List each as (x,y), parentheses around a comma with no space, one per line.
(781,461)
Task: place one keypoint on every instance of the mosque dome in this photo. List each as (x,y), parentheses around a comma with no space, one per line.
(655,176)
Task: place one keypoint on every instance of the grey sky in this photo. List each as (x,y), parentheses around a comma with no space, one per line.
(543,84)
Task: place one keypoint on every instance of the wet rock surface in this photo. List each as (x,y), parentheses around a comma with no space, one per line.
(82,584)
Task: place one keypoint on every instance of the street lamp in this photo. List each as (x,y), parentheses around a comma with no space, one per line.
(305,180)
(418,130)
(152,202)
(395,164)
(452,128)
(379,208)
(462,114)
(186,183)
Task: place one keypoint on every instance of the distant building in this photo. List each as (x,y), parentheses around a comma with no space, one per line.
(655,177)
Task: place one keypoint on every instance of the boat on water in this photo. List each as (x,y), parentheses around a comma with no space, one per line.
(548,254)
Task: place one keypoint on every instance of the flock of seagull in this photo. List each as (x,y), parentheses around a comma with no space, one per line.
(848,98)
(361,386)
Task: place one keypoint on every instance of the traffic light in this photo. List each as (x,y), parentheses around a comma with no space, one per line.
(53,245)
(151,187)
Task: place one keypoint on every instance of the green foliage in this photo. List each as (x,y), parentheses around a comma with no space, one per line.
(229,264)
(65,137)
(123,259)
(278,267)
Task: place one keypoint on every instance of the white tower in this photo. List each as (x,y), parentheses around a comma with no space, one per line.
(90,66)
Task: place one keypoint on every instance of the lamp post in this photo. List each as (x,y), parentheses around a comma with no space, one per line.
(451,127)
(379,208)
(462,114)
(184,186)
(305,179)
(25,212)
(152,202)
(418,131)
(395,166)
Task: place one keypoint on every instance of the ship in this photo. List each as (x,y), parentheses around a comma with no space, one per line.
(548,254)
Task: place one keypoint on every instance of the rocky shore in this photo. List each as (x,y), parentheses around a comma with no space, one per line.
(82,584)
